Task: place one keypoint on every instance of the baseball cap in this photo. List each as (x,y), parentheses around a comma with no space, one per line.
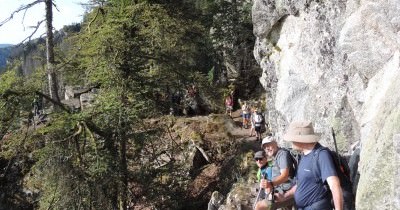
(267,140)
(259,154)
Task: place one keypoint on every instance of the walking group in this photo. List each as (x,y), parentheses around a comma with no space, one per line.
(252,116)
(309,181)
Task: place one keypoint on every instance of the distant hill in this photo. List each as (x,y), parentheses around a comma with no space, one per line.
(5,45)
(31,54)
(5,50)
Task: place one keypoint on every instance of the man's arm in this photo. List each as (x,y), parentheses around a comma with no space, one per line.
(334,185)
(281,178)
(284,162)
(278,180)
(287,195)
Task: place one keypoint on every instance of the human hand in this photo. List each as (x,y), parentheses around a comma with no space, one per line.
(279,197)
(269,187)
(263,183)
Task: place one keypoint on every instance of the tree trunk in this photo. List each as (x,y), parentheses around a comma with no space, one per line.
(51,73)
(123,170)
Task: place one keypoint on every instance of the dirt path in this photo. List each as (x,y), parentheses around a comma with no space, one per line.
(243,134)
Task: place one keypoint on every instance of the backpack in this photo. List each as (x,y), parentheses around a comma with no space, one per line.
(343,173)
(295,158)
(258,119)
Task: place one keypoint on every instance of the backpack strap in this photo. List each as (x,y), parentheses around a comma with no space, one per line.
(315,165)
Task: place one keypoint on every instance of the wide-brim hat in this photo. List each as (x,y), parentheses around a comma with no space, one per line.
(302,131)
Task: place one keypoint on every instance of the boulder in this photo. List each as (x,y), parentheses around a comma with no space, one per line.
(87,100)
(72,92)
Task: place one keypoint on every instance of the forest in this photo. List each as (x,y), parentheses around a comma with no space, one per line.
(135,59)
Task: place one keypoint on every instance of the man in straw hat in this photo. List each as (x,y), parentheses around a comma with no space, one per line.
(282,173)
(308,193)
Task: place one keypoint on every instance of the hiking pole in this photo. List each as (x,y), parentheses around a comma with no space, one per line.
(270,195)
(258,196)
(334,141)
(259,193)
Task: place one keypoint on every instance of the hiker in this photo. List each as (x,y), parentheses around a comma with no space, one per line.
(264,173)
(257,121)
(245,114)
(229,104)
(308,193)
(282,174)
(36,106)
(252,128)
(261,159)
(191,91)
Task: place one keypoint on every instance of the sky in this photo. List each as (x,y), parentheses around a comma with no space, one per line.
(15,31)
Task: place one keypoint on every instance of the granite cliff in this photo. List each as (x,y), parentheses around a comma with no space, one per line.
(336,63)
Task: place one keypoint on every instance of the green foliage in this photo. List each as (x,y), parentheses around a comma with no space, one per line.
(16,93)
(138,53)
(8,80)
(140,50)
(211,76)
(232,25)
(70,166)
(132,52)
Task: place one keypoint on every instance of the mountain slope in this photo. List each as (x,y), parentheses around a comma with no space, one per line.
(4,53)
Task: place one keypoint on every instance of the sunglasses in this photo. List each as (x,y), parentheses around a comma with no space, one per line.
(257,159)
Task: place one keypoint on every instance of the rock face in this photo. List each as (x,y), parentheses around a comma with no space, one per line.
(336,63)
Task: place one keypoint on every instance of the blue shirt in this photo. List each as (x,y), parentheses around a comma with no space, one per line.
(309,190)
(265,172)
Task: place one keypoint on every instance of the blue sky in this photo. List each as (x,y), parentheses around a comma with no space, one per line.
(13,32)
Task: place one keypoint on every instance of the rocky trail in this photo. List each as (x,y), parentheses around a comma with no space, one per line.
(243,134)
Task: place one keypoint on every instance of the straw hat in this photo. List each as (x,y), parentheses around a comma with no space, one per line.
(302,131)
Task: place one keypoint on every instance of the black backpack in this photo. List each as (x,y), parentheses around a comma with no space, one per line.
(343,172)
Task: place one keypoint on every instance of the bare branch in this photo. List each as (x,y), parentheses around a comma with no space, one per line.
(59,104)
(94,18)
(9,92)
(20,9)
(55,6)
(33,33)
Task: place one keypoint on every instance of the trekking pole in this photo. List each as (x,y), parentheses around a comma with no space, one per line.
(270,195)
(258,195)
(334,141)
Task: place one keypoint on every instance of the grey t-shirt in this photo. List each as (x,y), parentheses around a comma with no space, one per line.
(282,160)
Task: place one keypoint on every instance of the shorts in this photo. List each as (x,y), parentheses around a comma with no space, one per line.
(229,108)
(257,128)
(278,205)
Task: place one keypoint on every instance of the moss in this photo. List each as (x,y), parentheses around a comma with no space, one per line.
(378,163)
(215,127)
(196,137)
(277,49)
